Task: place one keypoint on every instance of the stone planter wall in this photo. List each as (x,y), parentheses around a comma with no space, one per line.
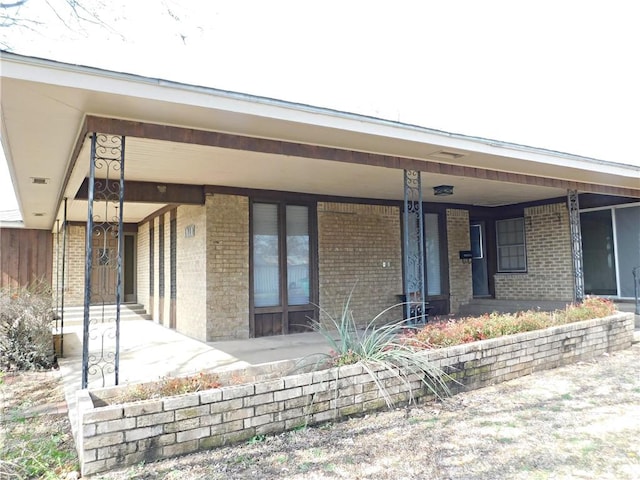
(119,435)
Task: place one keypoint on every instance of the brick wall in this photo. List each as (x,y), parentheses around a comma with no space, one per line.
(156,292)
(353,242)
(142,265)
(549,273)
(191,274)
(460,280)
(120,435)
(227,258)
(74,269)
(166,314)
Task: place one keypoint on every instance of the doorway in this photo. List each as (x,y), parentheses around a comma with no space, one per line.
(104,268)
(479,273)
(104,272)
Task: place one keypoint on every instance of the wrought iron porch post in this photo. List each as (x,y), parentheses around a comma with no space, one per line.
(62,286)
(413,234)
(576,245)
(106,192)
(57,310)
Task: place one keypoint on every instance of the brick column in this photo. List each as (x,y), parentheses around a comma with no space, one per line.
(460,280)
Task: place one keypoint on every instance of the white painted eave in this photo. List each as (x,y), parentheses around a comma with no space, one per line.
(69,92)
(110,82)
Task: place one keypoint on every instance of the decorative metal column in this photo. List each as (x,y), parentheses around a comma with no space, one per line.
(413,233)
(103,261)
(64,260)
(576,245)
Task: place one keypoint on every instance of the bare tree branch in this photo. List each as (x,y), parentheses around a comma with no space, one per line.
(19,3)
(74,15)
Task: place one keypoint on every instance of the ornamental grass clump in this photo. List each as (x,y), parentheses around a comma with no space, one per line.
(465,330)
(380,349)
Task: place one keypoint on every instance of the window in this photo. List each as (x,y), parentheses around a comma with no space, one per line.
(283,242)
(269,263)
(432,253)
(512,255)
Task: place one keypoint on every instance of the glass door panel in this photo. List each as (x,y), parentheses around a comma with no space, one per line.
(266,271)
(298,255)
(628,241)
(432,250)
(598,253)
(283,289)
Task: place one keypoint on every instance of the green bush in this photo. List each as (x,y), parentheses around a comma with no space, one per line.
(26,341)
(465,330)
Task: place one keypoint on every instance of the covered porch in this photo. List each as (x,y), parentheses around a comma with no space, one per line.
(230,216)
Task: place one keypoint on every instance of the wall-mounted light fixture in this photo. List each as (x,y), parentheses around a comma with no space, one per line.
(442,190)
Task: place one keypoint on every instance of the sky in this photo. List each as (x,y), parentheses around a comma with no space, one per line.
(561,75)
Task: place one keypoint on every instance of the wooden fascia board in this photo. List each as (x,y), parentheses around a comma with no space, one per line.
(153,192)
(238,142)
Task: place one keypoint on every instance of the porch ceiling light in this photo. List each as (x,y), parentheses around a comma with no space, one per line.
(443,190)
(39,180)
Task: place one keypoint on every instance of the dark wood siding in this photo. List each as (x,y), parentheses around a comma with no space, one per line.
(26,257)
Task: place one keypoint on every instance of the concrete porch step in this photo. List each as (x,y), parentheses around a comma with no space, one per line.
(130,311)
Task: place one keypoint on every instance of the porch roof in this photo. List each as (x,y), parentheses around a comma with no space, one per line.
(186,134)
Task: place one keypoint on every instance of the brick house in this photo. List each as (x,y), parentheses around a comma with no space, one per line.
(241,214)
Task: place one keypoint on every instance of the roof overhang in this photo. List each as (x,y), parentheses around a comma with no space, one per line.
(193,135)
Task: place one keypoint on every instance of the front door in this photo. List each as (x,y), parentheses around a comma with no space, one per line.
(104,269)
(479,260)
(283,295)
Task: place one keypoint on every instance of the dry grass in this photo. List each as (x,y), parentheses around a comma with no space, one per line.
(34,445)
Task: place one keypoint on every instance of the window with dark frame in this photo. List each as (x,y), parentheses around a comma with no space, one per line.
(511,248)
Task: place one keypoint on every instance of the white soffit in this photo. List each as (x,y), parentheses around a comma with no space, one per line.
(44,103)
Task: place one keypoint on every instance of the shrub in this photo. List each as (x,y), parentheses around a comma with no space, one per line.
(26,341)
(380,349)
(465,330)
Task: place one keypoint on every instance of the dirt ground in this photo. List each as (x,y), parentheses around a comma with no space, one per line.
(576,422)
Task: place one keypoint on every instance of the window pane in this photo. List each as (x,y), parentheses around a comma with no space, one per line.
(266,275)
(432,240)
(512,255)
(297,255)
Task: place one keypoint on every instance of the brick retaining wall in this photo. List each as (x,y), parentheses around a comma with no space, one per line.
(120,435)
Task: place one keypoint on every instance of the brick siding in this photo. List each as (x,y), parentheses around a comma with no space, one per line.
(74,269)
(353,242)
(191,274)
(549,273)
(227,258)
(460,279)
(142,265)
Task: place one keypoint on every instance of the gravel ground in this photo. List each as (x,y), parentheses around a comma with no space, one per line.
(576,422)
